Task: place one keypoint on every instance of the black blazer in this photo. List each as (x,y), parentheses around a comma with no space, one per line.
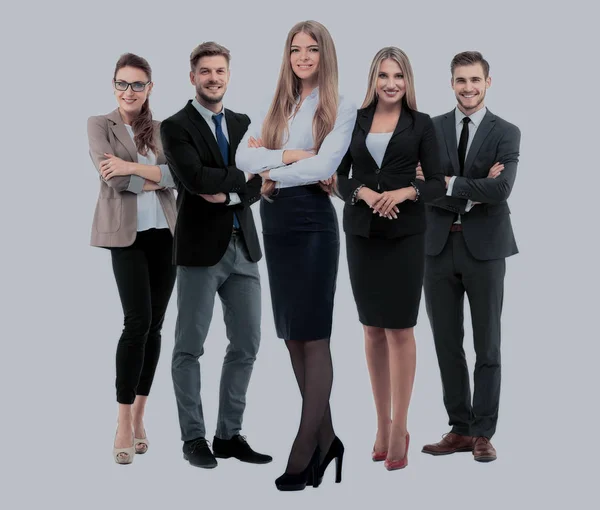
(487,228)
(413,140)
(203,230)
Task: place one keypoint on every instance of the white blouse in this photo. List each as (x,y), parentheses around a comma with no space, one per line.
(149,211)
(377,144)
(307,171)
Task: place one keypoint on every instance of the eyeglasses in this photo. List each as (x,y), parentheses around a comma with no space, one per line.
(136,86)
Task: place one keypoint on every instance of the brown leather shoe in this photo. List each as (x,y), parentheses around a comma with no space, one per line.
(483,451)
(450,443)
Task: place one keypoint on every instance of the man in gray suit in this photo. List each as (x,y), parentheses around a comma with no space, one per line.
(469,235)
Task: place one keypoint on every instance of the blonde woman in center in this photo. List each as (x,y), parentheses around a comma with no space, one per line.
(384,222)
(296,147)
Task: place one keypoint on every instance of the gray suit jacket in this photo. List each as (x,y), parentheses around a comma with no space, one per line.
(115,217)
(487,228)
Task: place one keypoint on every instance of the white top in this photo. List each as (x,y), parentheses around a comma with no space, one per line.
(149,211)
(307,171)
(476,119)
(377,144)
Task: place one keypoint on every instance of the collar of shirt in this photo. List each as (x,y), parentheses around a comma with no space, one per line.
(476,117)
(206,113)
(313,95)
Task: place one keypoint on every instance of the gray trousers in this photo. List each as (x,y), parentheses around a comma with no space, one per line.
(448,276)
(236,279)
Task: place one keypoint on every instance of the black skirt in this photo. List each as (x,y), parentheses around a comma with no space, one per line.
(302,246)
(386,277)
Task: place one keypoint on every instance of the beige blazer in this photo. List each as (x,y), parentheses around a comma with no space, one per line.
(115,217)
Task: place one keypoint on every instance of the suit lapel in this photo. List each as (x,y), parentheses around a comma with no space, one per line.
(235,132)
(449,127)
(205,132)
(121,133)
(487,124)
(404,122)
(365,120)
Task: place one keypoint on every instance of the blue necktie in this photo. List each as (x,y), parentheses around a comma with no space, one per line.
(224,148)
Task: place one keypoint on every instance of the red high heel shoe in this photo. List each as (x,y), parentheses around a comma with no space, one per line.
(378,456)
(392,465)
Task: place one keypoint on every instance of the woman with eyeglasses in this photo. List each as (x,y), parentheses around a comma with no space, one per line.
(135,219)
(296,148)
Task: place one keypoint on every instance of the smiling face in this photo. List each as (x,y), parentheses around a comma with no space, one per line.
(131,102)
(210,79)
(470,85)
(304,58)
(390,85)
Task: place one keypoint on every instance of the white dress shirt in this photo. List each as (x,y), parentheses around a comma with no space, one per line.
(377,144)
(307,171)
(149,211)
(476,119)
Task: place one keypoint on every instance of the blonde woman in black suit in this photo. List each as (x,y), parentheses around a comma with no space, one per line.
(384,222)
(135,219)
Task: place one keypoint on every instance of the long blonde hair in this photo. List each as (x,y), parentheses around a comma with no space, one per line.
(275,125)
(410,98)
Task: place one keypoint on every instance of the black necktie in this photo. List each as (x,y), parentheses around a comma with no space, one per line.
(462,144)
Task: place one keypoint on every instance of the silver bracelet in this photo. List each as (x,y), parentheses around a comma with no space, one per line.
(417,190)
(354,198)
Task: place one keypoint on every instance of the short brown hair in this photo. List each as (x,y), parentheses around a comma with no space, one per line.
(469,58)
(208,49)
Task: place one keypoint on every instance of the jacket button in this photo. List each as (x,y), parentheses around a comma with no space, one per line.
(378,171)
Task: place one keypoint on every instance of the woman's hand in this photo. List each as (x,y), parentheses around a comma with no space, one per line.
(254,143)
(372,198)
(218,198)
(329,185)
(420,172)
(387,201)
(113,166)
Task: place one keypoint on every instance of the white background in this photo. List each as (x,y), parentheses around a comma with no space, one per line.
(61,316)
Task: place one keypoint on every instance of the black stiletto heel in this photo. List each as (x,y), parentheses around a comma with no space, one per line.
(336,451)
(299,481)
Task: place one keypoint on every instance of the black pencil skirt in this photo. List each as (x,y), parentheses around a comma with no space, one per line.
(302,246)
(386,277)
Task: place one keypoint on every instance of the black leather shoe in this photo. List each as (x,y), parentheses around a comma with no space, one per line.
(238,448)
(198,453)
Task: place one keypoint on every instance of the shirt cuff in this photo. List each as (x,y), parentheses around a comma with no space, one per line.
(234,199)
(469,206)
(166,179)
(450,186)
(136,184)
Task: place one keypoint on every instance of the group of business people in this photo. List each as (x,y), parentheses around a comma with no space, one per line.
(425,207)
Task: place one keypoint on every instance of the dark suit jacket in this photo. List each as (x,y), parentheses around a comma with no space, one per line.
(203,229)
(487,229)
(413,140)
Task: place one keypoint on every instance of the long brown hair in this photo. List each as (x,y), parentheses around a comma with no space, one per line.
(275,125)
(397,55)
(143,128)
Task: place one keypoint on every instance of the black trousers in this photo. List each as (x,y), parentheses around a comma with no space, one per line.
(145,278)
(447,277)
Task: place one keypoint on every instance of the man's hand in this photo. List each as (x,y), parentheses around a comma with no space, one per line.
(371,198)
(113,166)
(495,171)
(219,198)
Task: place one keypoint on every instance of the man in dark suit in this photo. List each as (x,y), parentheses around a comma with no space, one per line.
(468,237)
(216,252)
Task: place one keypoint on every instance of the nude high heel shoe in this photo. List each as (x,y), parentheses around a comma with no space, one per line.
(124,455)
(141,444)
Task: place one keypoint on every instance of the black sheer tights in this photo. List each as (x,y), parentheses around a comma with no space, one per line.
(313,369)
